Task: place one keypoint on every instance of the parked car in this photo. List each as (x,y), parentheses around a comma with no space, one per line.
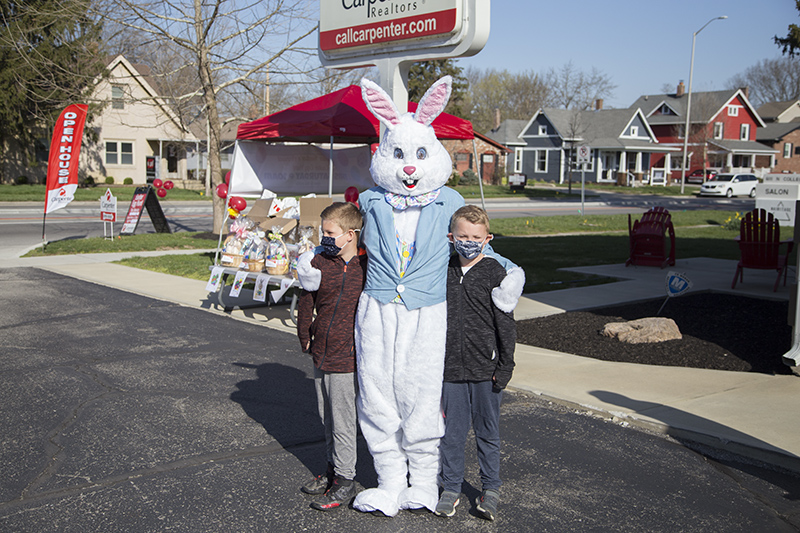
(697,176)
(730,185)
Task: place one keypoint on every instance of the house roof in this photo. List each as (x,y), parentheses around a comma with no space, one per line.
(772,111)
(742,147)
(508,132)
(601,129)
(705,106)
(499,146)
(775,131)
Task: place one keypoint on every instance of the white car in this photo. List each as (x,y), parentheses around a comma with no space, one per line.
(730,185)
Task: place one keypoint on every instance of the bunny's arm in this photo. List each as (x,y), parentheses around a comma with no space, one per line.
(507,295)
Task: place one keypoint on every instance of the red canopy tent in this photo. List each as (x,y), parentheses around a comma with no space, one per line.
(337,117)
(340,116)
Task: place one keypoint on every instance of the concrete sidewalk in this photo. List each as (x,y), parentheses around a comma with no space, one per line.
(748,414)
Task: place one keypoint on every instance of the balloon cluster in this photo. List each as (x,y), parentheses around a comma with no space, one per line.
(236,204)
(162,187)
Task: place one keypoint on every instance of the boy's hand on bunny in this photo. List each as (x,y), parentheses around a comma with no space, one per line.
(506,296)
(308,276)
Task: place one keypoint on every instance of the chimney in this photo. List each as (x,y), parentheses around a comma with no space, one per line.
(746,91)
(681,89)
(598,104)
(496,118)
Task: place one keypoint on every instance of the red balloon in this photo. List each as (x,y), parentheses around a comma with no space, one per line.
(222,190)
(157,183)
(351,195)
(228,177)
(161,193)
(238,203)
(168,185)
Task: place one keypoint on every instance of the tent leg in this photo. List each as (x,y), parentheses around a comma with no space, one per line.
(480,172)
(330,170)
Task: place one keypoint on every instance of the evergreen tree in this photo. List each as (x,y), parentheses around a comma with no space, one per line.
(49,58)
(791,43)
(423,74)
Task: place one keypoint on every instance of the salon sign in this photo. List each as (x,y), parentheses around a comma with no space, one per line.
(354,23)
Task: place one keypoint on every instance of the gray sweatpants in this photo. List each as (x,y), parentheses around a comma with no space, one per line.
(336,401)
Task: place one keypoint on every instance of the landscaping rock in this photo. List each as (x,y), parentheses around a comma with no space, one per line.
(643,330)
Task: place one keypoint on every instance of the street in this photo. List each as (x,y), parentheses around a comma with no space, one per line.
(21,223)
(124,413)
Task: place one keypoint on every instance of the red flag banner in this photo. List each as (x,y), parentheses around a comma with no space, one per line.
(62,166)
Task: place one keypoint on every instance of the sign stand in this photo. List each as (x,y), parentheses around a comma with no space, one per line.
(792,357)
(144,197)
(108,213)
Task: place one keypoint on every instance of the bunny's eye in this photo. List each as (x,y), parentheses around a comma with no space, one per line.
(421,153)
(398,153)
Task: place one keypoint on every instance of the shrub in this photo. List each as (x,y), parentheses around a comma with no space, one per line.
(733,222)
(468,178)
(22,180)
(454,179)
(127,181)
(88,182)
(109,180)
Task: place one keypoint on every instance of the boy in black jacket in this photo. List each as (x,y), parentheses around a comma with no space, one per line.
(479,360)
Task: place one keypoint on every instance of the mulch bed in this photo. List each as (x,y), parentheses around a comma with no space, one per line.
(720,331)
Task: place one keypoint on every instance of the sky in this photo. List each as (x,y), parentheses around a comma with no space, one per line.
(640,44)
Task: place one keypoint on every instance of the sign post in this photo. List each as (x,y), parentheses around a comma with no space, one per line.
(584,158)
(108,213)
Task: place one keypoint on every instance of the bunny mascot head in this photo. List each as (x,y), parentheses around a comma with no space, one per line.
(410,160)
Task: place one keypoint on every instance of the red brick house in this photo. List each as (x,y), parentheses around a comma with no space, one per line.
(722,131)
(491,154)
(784,138)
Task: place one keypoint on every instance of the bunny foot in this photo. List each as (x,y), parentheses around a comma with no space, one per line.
(506,296)
(308,276)
(417,497)
(377,499)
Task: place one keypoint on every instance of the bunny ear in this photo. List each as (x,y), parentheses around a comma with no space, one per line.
(434,101)
(379,103)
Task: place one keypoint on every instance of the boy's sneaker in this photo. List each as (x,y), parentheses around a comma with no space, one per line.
(341,492)
(448,502)
(320,484)
(487,504)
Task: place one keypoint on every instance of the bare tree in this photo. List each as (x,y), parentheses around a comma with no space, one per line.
(770,80)
(228,45)
(517,96)
(571,88)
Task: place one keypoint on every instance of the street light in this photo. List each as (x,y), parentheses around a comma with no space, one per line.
(689,105)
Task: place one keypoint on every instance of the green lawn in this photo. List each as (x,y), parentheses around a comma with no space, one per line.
(144,242)
(36,193)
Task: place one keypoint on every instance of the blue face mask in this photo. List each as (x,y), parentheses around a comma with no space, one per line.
(329,245)
(468,249)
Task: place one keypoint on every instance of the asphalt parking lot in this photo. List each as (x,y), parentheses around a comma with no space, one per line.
(125,413)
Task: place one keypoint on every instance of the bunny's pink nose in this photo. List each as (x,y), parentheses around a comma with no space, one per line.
(409,170)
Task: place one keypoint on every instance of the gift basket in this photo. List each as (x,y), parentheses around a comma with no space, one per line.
(277,254)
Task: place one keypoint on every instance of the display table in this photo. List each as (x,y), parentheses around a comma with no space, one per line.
(228,302)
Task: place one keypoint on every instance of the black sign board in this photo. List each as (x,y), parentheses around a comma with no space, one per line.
(145,198)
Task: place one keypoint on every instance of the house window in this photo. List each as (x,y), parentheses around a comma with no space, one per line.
(542,130)
(733,111)
(541,160)
(117,95)
(634,131)
(744,132)
(718,130)
(518,160)
(119,153)
(787,150)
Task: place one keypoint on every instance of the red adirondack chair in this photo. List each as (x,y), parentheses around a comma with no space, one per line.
(760,244)
(648,239)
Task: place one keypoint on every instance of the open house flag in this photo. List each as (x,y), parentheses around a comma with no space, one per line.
(62,166)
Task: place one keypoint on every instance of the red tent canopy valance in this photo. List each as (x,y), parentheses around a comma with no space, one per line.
(342,115)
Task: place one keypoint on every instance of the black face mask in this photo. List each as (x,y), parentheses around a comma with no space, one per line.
(329,245)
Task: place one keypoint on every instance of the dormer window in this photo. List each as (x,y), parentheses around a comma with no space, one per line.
(542,131)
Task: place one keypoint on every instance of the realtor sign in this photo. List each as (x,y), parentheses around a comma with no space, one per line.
(108,207)
(357,32)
